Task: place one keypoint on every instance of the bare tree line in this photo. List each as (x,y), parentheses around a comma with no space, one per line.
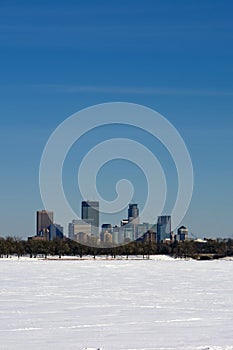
(10,246)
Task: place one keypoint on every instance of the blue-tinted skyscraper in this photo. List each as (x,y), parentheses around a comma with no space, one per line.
(163,228)
(55,231)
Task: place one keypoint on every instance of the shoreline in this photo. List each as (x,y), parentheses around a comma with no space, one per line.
(158,257)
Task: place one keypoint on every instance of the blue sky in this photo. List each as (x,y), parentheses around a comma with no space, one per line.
(173,56)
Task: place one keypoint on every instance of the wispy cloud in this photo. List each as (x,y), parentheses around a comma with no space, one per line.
(72,89)
(115,89)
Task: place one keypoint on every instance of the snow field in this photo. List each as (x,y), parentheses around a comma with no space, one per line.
(154,304)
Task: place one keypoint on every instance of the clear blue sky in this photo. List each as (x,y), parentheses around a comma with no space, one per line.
(57,57)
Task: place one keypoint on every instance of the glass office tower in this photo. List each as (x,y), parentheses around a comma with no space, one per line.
(90,214)
(163,228)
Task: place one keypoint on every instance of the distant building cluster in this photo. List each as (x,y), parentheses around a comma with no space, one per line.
(87,230)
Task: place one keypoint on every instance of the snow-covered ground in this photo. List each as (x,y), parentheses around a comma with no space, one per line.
(114,305)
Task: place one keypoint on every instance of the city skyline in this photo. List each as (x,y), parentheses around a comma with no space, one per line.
(88,230)
(173,57)
(131,227)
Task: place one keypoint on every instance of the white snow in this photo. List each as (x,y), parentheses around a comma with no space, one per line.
(135,304)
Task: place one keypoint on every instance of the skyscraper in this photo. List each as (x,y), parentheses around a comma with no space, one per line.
(133,219)
(163,228)
(90,214)
(133,213)
(44,219)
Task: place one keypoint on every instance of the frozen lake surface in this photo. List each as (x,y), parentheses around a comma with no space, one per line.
(116,305)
